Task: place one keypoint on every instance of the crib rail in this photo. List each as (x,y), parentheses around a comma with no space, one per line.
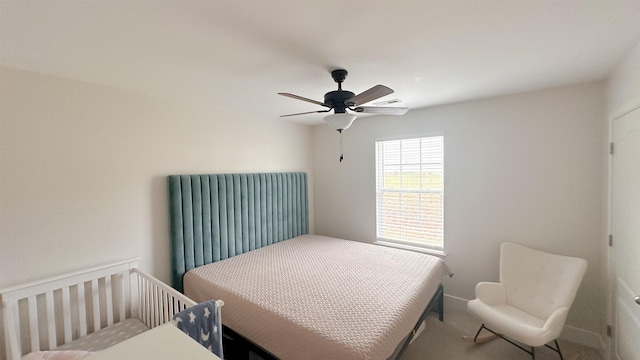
(46,314)
(157,302)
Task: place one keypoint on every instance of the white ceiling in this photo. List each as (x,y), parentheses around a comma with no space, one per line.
(241,53)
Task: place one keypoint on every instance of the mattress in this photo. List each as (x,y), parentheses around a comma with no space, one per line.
(107,337)
(316,297)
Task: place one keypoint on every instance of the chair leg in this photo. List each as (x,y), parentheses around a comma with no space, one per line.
(477,338)
(478,333)
(532,352)
(512,342)
(556,349)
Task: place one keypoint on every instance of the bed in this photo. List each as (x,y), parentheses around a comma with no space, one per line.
(89,310)
(244,238)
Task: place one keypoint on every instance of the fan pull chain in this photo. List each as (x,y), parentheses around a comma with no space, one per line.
(341,151)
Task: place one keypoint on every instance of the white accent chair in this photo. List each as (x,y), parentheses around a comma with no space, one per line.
(531,302)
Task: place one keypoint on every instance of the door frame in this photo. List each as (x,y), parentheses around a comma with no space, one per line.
(609,341)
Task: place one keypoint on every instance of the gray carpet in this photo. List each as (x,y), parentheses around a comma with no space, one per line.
(443,341)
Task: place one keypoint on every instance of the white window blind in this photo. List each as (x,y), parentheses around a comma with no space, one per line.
(410,191)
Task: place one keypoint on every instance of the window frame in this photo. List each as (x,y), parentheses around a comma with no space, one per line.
(415,246)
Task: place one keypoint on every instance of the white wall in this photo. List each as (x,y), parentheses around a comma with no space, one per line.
(526,168)
(83,170)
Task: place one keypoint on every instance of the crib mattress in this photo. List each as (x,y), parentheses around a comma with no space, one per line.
(107,337)
(316,297)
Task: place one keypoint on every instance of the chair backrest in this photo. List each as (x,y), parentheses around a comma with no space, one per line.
(538,282)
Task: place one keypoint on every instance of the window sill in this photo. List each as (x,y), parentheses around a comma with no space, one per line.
(438,253)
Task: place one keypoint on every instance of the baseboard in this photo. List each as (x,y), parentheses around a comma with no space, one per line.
(583,337)
(570,333)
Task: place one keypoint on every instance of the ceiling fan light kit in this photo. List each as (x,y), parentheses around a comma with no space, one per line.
(342,100)
(340,121)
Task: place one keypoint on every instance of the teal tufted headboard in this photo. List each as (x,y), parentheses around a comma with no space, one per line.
(214,217)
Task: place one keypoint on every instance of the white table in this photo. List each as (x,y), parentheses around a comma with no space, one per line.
(163,342)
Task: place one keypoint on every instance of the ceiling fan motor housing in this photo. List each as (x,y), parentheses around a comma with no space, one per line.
(337,99)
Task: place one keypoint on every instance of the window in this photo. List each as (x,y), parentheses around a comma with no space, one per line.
(410,191)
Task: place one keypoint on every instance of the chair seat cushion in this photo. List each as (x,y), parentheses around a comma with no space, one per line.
(506,319)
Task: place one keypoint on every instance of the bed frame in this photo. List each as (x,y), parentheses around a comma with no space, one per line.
(46,314)
(214,217)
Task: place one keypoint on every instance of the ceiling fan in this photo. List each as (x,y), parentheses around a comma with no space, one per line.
(342,100)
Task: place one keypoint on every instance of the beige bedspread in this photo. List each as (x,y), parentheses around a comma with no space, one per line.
(315,297)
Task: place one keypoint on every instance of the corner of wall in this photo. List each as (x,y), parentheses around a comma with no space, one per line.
(623,85)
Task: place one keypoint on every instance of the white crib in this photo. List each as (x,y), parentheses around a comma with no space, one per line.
(47,314)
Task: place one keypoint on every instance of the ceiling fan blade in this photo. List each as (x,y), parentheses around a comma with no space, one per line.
(386,110)
(304,99)
(308,112)
(375,92)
